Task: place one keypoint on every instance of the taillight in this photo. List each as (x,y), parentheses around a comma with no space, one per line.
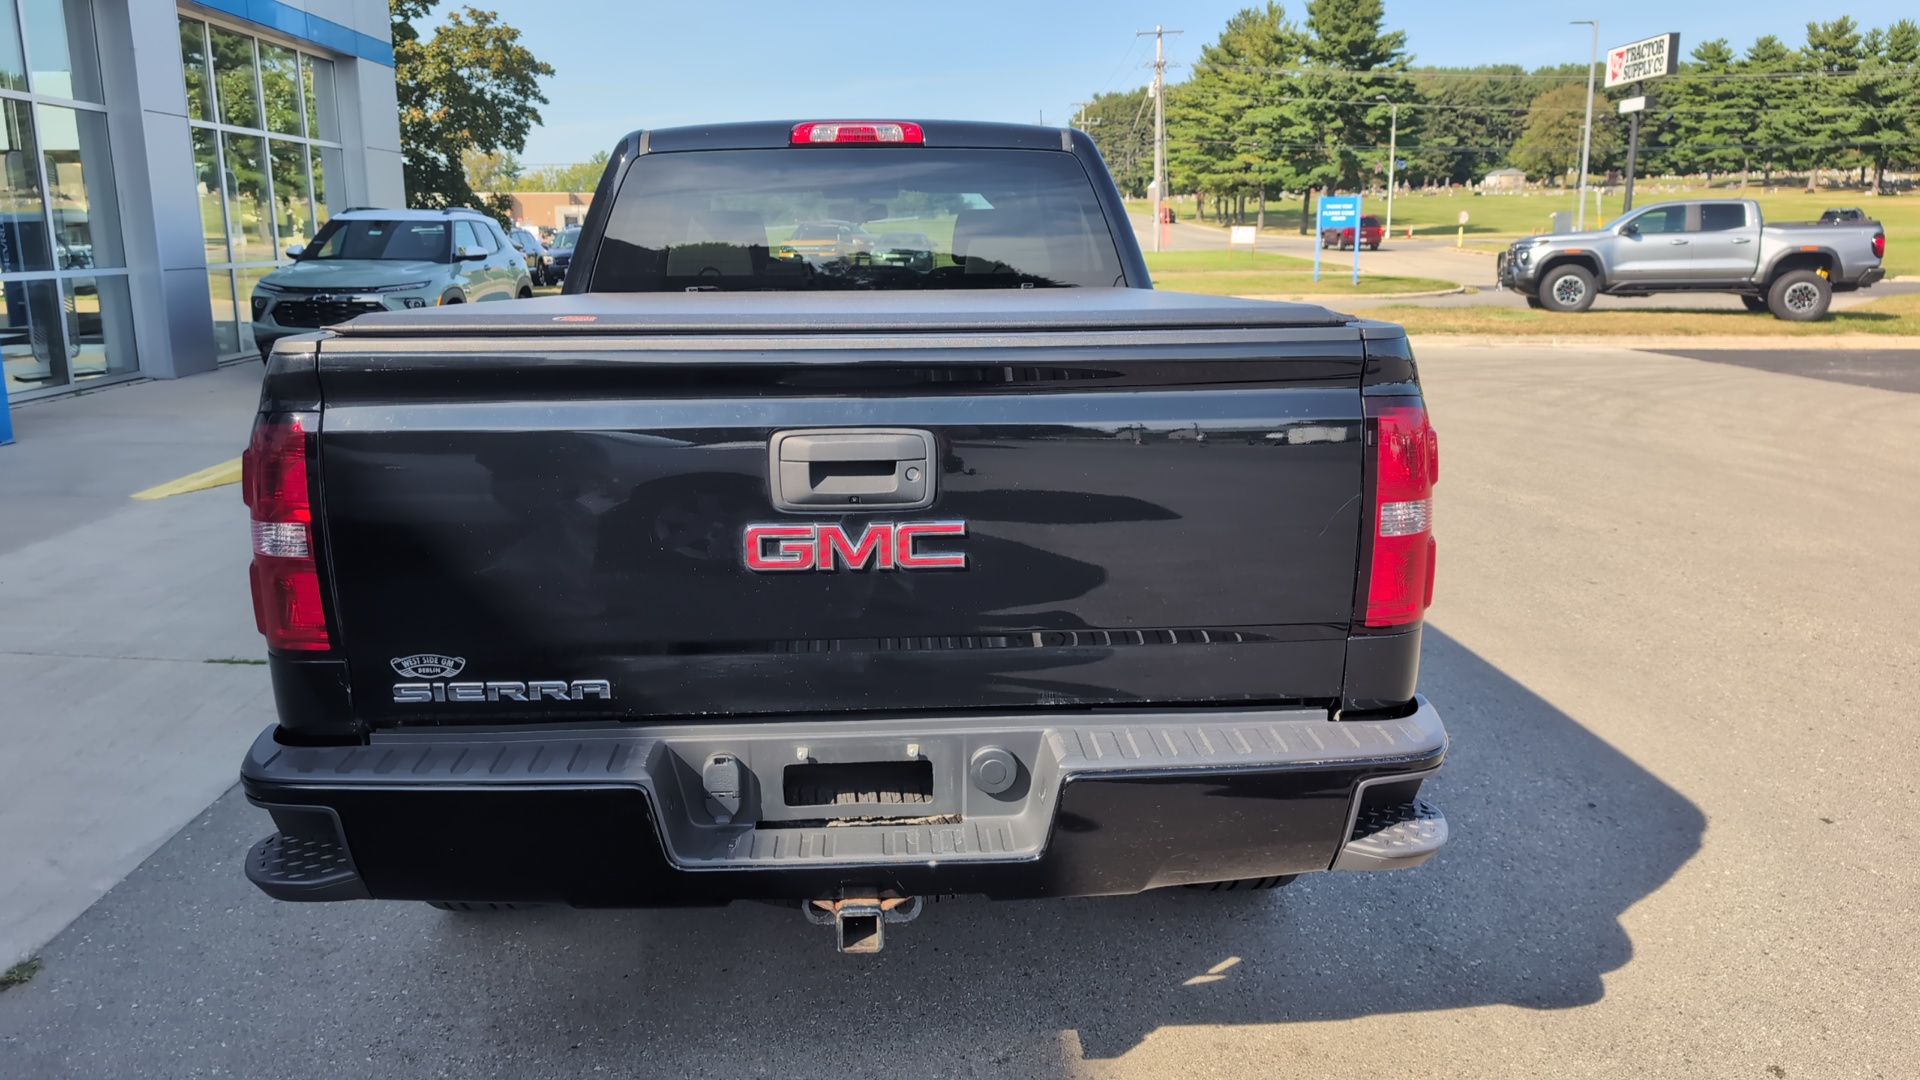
(286,577)
(1879,245)
(1406,459)
(818,132)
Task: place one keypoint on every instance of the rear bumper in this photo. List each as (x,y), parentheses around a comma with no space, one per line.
(619,816)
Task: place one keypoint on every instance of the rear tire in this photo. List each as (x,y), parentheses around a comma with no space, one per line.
(1755,304)
(1800,296)
(1534,303)
(1257,884)
(1566,288)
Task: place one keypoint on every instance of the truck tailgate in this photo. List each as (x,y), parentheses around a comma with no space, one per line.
(1160,502)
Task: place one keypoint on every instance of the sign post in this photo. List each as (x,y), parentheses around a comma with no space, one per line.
(1460,238)
(1338,212)
(1652,58)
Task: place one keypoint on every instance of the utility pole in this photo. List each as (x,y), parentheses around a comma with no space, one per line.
(1080,113)
(1586,135)
(1393,152)
(1159,124)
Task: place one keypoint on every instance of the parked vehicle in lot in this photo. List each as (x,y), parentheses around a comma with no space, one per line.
(913,250)
(1699,245)
(1843,216)
(842,583)
(387,260)
(826,240)
(1371,233)
(529,244)
(560,254)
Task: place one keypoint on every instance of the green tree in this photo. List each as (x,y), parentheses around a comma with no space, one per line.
(1225,122)
(1469,119)
(1889,98)
(580,176)
(1775,103)
(1709,120)
(491,172)
(1830,113)
(1121,125)
(1549,144)
(470,87)
(1335,120)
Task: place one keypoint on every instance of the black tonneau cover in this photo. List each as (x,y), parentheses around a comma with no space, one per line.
(998,310)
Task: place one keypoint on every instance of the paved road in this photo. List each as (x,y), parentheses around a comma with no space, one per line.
(1439,259)
(1670,647)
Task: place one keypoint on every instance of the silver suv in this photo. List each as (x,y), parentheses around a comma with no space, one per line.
(386,260)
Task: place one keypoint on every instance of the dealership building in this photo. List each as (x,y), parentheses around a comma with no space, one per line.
(159,159)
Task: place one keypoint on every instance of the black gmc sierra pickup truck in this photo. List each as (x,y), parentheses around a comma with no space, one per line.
(859,527)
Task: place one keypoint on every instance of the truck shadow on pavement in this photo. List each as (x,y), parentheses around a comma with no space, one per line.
(1556,834)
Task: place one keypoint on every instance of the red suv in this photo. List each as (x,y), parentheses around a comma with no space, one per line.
(1370,233)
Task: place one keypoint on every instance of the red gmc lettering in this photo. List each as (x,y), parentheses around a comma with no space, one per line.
(882,546)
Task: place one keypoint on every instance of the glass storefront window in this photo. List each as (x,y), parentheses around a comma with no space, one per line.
(32,348)
(86,216)
(226,329)
(280,88)
(13,65)
(233,78)
(262,115)
(60,38)
(23,223)
(292,212)
(99,327)
(206,170)
(193,61)
(247,278)
(247,213)
(323,120)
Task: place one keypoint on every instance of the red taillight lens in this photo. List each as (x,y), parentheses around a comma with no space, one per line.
(1880,245)
(818,132)
(285,575)
(1406,458)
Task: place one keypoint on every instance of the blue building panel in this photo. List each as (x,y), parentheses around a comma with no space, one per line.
(292,22)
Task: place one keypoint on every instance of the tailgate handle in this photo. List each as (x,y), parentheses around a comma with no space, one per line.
(844,468)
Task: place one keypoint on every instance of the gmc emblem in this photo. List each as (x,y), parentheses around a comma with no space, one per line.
(883,546)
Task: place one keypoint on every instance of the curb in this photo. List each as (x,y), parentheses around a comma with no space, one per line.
(1831,342)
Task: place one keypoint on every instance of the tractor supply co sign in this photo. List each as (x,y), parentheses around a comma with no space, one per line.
(1650,59)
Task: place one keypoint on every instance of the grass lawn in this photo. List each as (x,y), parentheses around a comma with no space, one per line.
(1502,217)
(1890,315)
(1245,273)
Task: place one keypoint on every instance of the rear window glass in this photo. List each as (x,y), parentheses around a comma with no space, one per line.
(855,218)
(1719,217)
(424,241)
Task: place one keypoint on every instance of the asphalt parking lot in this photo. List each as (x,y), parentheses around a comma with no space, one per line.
(1669,643)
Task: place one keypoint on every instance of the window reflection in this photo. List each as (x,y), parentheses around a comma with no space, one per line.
(247,278)
(226,328)
(323,121)
(292,213)
(31,347)
(99,327)
(233,78)
(326,162)
(193,60)
(206,171)
(60,39)
(13,67)
(86,226)
(280,85)
(23,228)
(246,198)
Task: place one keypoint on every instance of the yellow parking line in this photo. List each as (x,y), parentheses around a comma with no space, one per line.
(227,472)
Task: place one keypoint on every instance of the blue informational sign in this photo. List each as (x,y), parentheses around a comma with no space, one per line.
(6,416)
(1338,212)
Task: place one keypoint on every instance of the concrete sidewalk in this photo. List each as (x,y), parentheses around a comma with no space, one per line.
(121,721)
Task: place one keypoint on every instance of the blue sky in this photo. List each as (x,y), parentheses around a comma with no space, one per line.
(624,65)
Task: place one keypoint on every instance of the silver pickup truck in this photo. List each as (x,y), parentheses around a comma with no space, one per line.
(1699,245)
